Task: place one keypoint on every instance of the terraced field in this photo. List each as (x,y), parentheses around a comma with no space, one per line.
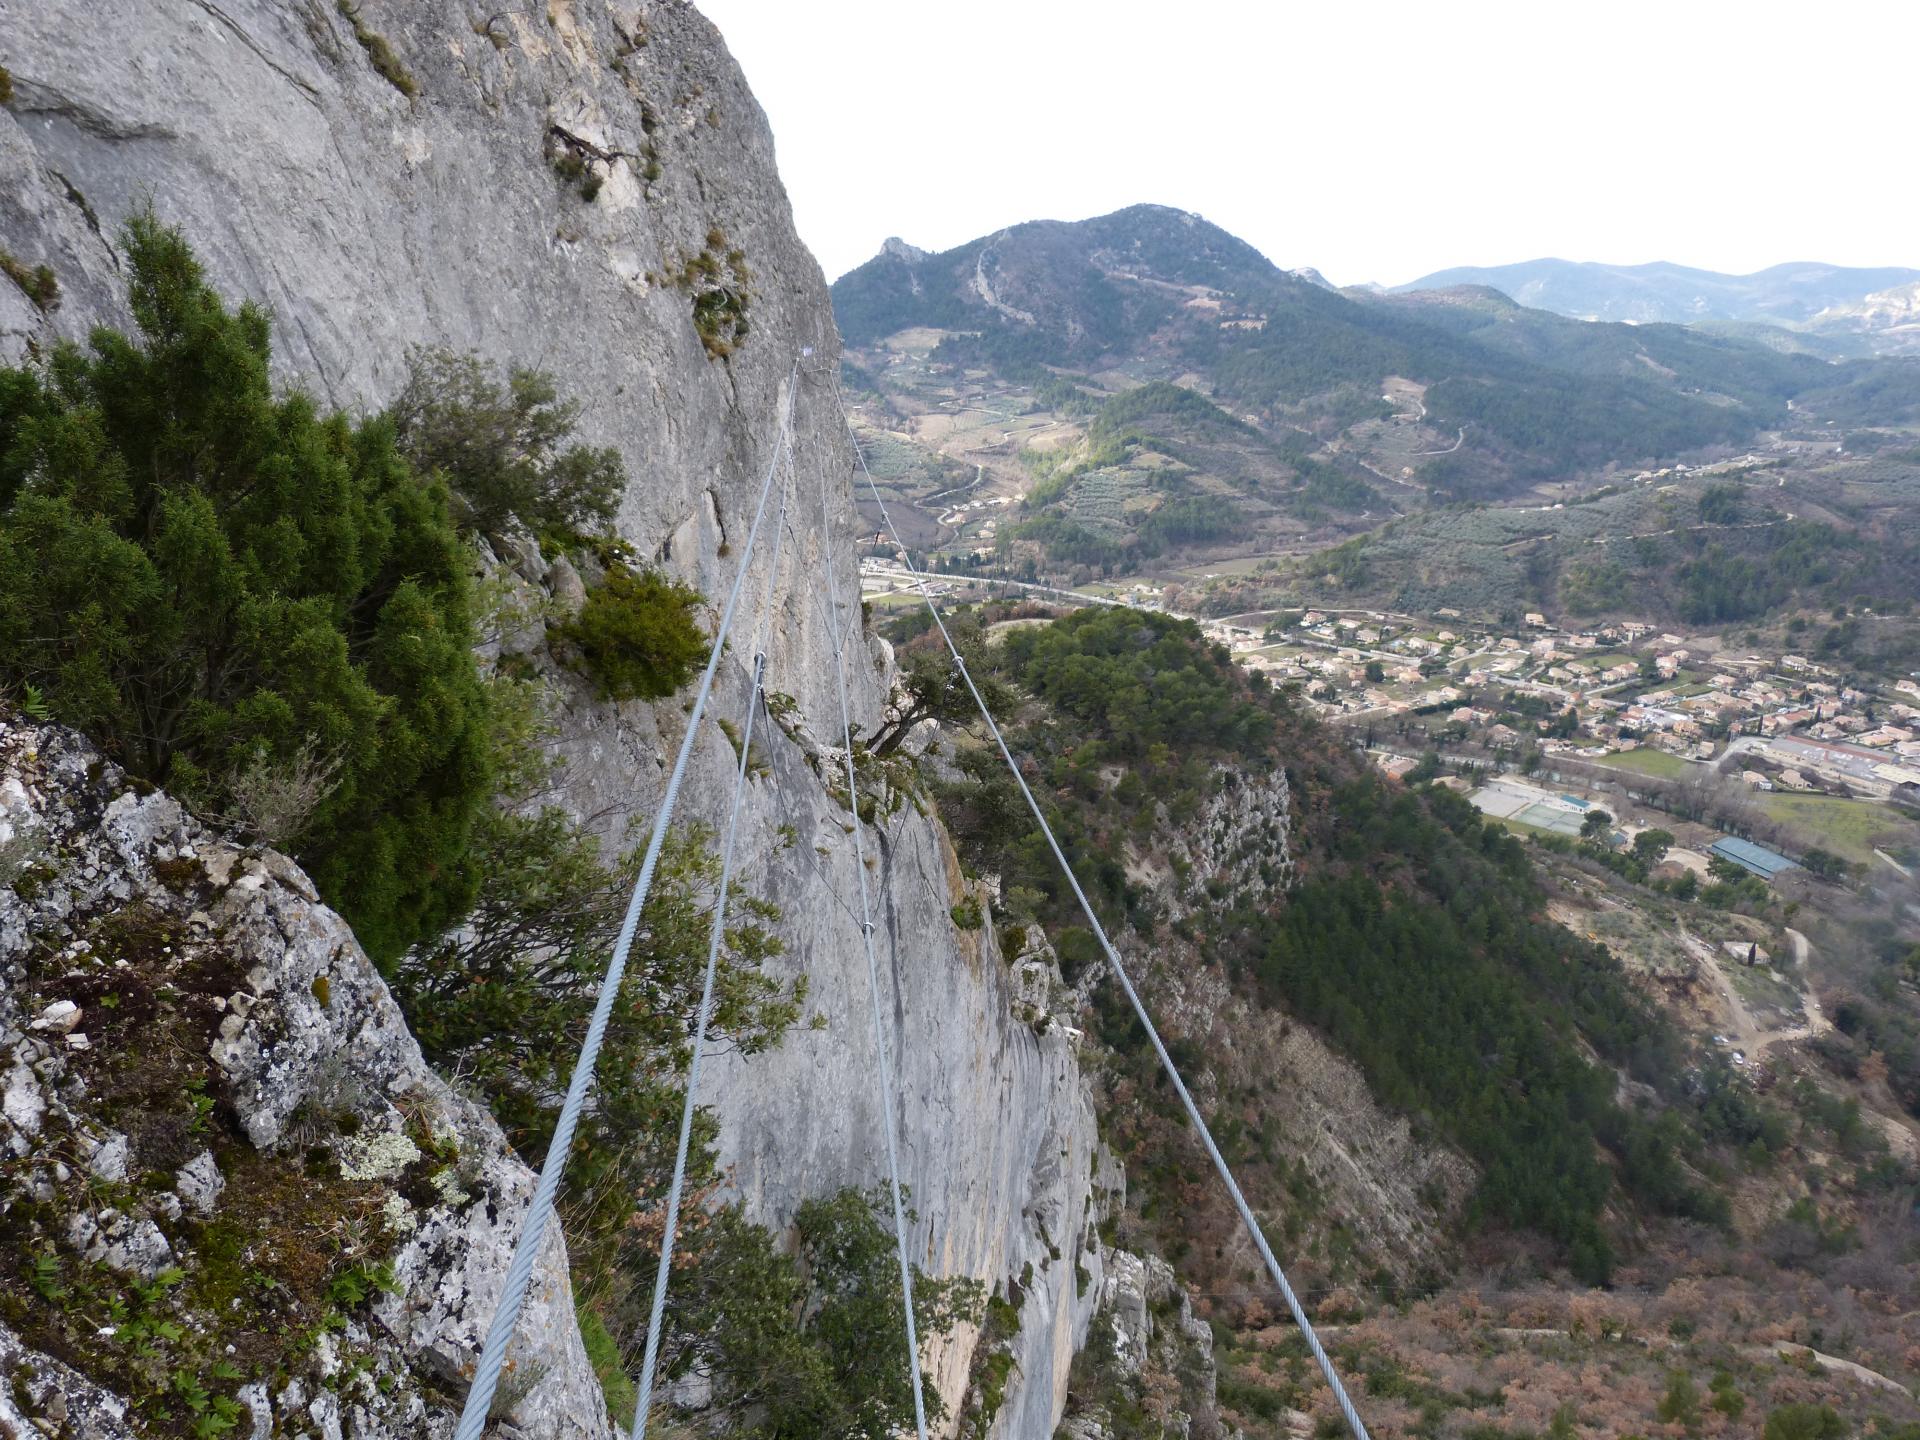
(1104,498)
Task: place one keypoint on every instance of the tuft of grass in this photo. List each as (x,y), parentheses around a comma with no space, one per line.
(720,282)
(603,1353)
(576,168)
(380,52)
(6,86)
(38,284)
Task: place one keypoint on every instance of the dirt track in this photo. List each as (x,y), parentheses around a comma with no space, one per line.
(1747,1033)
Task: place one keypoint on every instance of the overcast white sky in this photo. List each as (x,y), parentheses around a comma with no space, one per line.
(1377,140)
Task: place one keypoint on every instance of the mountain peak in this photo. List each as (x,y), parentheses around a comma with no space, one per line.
(896,248)
(1089,283)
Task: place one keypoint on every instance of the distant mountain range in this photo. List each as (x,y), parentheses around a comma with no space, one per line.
(1794,295)
(1887,321)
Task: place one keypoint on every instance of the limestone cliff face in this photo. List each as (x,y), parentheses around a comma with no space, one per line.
(558,185)
(1396,1190)
(367,220)
(996,1130)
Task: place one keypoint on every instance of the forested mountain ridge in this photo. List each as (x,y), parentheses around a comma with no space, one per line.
(1371,402)
(1148,279)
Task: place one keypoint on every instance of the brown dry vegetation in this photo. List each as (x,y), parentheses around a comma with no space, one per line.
(1514,1356)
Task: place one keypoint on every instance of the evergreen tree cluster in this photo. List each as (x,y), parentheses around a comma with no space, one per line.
(234,593)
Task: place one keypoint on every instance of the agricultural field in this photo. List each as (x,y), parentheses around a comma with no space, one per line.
(1479,561)
(1658,763)
(1849,828)
(1103,498)
(897,463)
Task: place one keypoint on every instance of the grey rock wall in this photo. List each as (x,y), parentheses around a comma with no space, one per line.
(48,1390)
(366,222)
(367,219)
(997,1133)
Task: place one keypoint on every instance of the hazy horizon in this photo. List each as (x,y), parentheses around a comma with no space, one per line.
(1410,142)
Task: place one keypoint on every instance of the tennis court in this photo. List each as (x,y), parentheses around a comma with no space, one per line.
(1507,799)
(1554,815)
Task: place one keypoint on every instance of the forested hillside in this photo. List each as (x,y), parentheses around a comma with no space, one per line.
(1412,938)
(1606,1144)
(1154,293)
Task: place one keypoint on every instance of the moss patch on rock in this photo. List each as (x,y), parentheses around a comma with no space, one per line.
(718,279)
(112,1267)
(380,52)
(37,282)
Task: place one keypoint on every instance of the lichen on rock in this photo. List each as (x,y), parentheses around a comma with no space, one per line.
(237,1200)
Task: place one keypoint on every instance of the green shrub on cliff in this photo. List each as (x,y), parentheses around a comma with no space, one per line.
(811,1344)
(501,446)
(37,282)
(238,595)
(636,637)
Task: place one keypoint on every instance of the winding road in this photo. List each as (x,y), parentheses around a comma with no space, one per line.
(979,474)
(1747,1033)
(1459,440)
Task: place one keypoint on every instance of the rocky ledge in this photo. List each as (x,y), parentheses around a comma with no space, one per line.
(233,1197)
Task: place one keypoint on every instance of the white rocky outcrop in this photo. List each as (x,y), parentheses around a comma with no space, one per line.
(242,1032)
(43,1391)
(1243,835)
(1153,1351)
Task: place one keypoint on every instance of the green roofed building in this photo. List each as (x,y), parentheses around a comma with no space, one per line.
(1755,858)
